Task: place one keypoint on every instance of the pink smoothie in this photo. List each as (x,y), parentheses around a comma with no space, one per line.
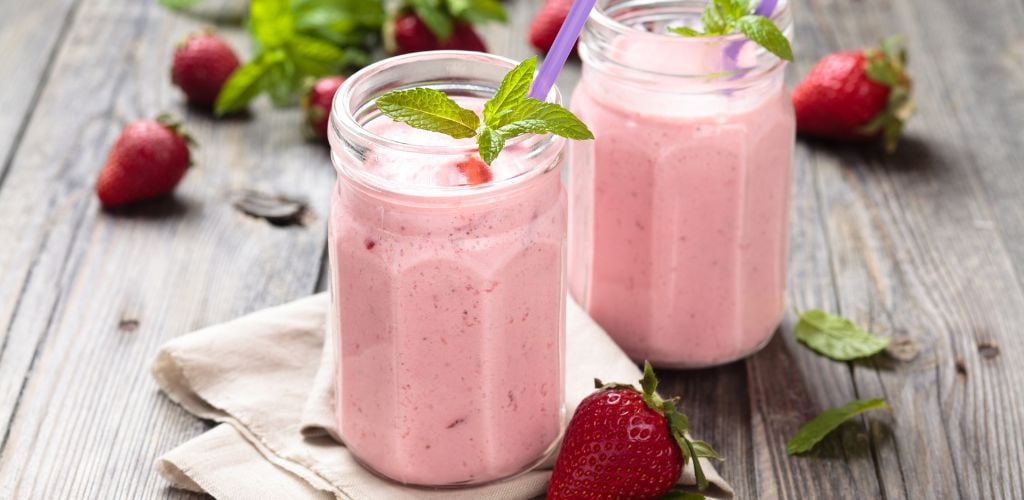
(679,211)
(450,313)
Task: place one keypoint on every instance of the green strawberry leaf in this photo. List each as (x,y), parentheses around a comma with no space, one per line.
(271,22)
(489,143)
(242,86)
(703,449)
(765,33)
(836,337)
(511,91)
(429,109)
(433,14)
(815,430)
(698,470)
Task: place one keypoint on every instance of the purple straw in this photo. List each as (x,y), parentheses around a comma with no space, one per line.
(560,50)
(764,8)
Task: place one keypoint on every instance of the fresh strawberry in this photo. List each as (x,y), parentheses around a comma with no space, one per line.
(623,443)
(316,104)
(147,160)
(202,63)
(475,170)
(547,22)
(856,95)
(411,34)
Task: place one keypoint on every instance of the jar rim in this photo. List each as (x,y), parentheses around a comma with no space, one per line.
(345,129)
(599,16)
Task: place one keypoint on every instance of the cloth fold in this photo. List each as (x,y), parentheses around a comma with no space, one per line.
(267,380)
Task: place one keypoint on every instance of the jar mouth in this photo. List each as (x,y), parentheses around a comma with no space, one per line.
(600,16)
(458,74)
(645,23)
(349,104)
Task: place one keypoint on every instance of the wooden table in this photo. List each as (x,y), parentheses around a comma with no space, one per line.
(926,245)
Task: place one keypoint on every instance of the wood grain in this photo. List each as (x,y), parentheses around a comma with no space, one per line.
(926,245)
(101,291)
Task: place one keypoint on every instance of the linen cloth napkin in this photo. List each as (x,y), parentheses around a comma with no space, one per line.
(266,379)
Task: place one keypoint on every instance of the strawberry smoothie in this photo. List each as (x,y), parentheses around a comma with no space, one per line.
(679,207)
(448,302)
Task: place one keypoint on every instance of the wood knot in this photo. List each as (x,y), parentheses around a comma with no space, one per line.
(128,325)
(988,350)
(961,368)
(904,349)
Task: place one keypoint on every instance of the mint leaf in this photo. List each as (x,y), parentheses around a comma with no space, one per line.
(490,142)
(438,21)
(271,22)
(242,86)
(765,33)
(814,431)
(429,109)
(540,117)
(837,337)
(477,11)
(685,31)
(511,91)
(315,57)
(178,4)
(714,20)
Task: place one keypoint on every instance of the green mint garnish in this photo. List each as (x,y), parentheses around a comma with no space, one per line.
(440,16)
(814,431)
(297,41)
(509,113)
(837,337)
(726,17)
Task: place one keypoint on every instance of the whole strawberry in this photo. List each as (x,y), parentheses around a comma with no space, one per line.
(202,63)
(410,34)
(623,443)
(316,104)
(856,95)
(147,160)
(546,23)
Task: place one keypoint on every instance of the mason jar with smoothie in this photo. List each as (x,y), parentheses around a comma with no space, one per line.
(679,207)
(447,275)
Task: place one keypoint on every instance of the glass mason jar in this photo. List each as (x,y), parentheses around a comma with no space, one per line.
(448,300)
(678,211)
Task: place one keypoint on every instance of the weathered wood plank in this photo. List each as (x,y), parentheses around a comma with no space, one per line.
(29,34)
(100,291)
(921,246)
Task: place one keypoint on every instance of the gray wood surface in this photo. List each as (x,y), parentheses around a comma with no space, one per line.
(926,245)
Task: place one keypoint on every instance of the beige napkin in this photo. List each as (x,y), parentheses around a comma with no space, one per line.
(266,379)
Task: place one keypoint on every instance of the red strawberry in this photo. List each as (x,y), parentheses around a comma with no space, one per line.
(147,160)
(317,104)
(411,34)
(475,170)
(856,95)
(622,443)
(202,63)
(547,22)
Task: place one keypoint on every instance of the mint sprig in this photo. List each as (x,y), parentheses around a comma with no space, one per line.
(726,17)
(507,114)
(817,428)
(297,40)
(837,337)
(440,16)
